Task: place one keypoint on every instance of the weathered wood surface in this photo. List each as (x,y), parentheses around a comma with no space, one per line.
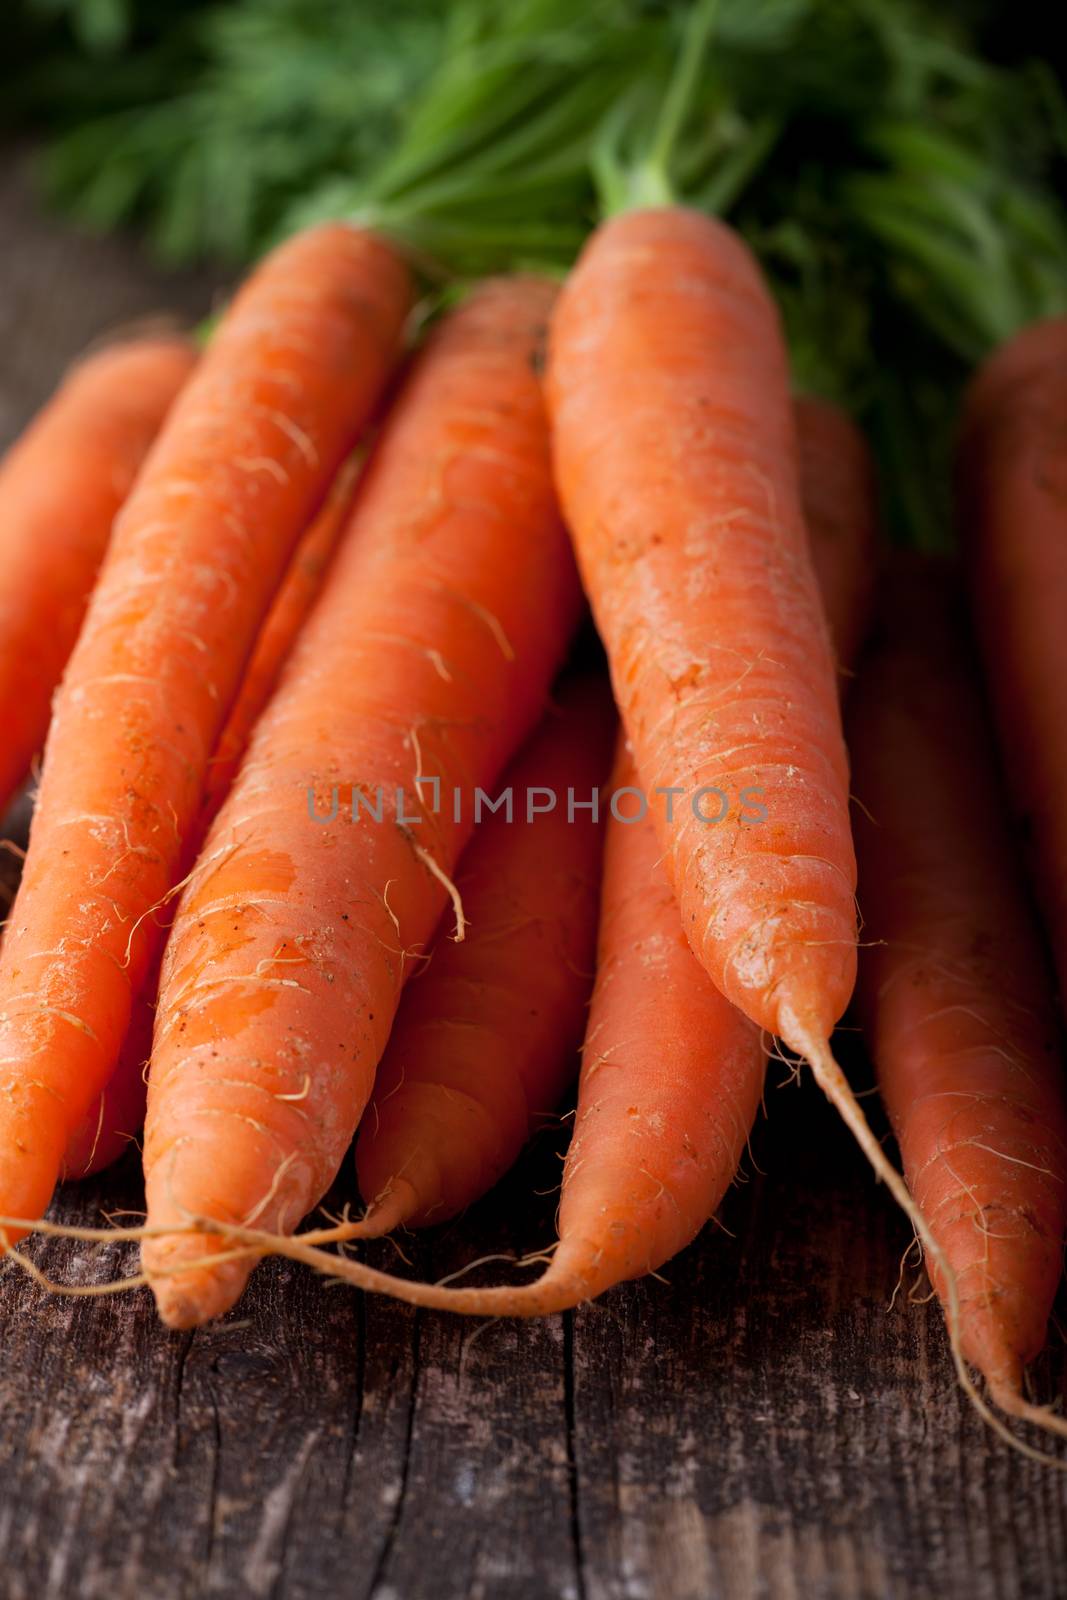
(760,1424)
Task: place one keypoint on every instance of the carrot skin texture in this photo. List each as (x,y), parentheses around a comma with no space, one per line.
(954,991)
(485,1039)
(290,948)
(676,461)
(1012,501)
(199,548)
(104,1133)
(61,486)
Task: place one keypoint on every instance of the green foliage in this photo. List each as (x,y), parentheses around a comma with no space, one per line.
(492,164)
(470,125)
(899,188)
(974,245)
(67,62)
(205,133)
(100,27)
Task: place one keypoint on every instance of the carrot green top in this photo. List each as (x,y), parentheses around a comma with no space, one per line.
(893,185)
(963,206)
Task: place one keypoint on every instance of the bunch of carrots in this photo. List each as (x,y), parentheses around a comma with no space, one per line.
(289,615)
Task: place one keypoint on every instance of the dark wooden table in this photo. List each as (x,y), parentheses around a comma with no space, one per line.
(761,1423)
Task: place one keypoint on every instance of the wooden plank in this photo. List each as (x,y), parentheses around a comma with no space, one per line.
(309,1444)
(760,1423)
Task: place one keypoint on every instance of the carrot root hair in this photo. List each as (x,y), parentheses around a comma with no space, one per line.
(243,1243)
(1008,1398)
(389,1211)
(238,1242)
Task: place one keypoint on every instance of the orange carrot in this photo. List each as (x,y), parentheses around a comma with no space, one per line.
(672,1073)
(61,486)
(671,1080)
(429,656)
(675,458)
(484,1042)
(955,993)
(197,552)
(1013,518)
(106,1130)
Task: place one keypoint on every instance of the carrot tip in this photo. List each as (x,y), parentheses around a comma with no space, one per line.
(391,1209)
(192,1279)
(397,1203)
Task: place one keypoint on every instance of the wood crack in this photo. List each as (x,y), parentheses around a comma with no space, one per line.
(569,1411)
(356,1420)
(396,1513)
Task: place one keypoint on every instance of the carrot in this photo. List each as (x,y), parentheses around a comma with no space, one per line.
(429,656)
(671,1080)
(674,454)
(955,994)
(672,1073)
(484,1041)
(106,1130)
(1013,519)
(61,486)
(197,552)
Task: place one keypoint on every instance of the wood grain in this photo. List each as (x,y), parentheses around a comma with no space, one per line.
(757,1424)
